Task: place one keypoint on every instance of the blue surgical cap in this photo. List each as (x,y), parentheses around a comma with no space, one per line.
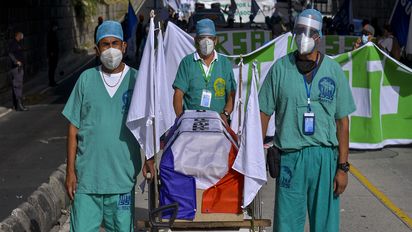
(109,29)
(205,27)
(312,18)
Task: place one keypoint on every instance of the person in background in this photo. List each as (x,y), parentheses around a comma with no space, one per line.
(368,32)
(275,24)
(230,13)
(389,43)
(17,72)
(205,79)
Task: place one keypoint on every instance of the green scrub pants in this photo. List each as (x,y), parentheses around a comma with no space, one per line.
(114,212)
(305,185)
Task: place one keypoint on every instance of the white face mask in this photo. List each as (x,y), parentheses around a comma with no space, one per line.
(111,58)
(206,46)
(305,44)
(365,39)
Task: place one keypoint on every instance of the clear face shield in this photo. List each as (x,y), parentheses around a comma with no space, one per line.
(307,26)
(306,31)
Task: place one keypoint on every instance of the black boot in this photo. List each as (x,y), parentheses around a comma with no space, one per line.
(20,106)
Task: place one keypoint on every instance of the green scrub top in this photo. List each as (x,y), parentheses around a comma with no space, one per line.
(190,80)
(284,92)
(108,155)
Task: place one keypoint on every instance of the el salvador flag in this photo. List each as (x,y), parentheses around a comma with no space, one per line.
(130,33)
(400,20)
(131,22)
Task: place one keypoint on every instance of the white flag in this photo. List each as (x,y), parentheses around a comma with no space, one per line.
(165,115)
(178,44)
(142,110)
(250,160)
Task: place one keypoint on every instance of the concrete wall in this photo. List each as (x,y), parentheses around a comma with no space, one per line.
(33,17)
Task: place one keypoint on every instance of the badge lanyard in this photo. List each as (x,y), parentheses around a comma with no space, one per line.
(209,76)
(310,87)
(206,98)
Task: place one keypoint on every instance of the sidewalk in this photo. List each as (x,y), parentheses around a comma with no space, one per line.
(34,89)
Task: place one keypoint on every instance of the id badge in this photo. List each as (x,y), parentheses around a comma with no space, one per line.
(308,123)
(206,98)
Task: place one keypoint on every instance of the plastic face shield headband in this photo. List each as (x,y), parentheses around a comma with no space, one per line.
(307,26)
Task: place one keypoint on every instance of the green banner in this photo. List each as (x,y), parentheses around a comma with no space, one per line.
(246,41)
(381,87)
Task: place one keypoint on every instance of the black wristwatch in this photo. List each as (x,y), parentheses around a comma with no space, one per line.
(344,166)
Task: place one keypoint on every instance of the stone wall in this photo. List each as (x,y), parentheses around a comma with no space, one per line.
(33,18)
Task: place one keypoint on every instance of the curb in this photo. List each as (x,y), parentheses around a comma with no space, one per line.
(4,111)
(43,207)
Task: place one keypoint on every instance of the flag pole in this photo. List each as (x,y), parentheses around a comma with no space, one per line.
(240,97)
(155,203)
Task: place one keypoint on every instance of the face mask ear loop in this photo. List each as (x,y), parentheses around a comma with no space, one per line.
(316,44)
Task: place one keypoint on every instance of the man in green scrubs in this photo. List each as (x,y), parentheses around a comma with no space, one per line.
(312,100)
(103,157)
(205,80)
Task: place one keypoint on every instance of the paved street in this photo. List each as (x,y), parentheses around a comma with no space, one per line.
(32,143)
(32,146)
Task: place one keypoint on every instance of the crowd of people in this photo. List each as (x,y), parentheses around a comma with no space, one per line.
(382,35)
(277,24)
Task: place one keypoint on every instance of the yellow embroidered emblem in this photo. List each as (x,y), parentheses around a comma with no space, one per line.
(219,87)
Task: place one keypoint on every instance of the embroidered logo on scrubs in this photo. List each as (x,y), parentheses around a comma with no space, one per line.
(326,89)
(219,87)
(285,177)
(125,201)
(126,99)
